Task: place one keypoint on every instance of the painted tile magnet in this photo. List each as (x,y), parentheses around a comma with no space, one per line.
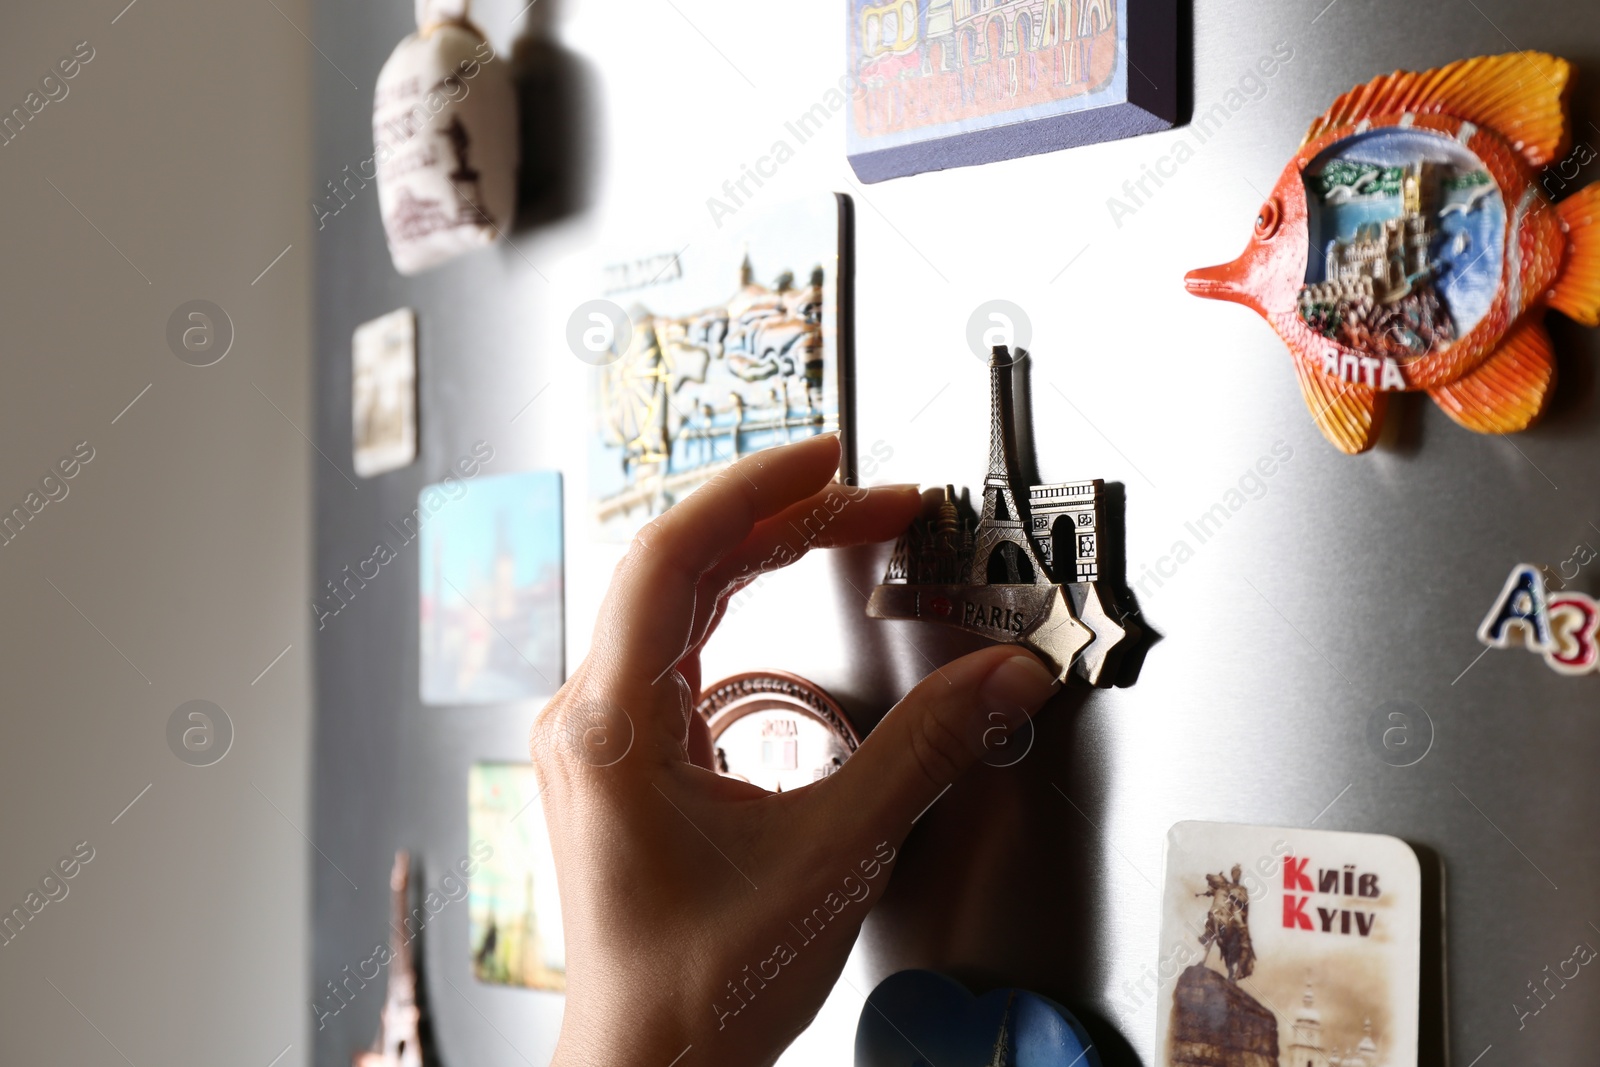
(1023,571)
(383,393)
(513,905)
(738,342)
(916,1018)
(933,84)
(490,603)
(1407,247)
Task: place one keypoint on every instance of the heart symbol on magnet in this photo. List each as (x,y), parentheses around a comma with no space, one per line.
(923,1019)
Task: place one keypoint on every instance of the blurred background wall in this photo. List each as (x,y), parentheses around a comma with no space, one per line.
(170,167)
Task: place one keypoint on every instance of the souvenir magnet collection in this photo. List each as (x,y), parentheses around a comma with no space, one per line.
(1562,627)
(1024,571)
(776,730)
(1407,247)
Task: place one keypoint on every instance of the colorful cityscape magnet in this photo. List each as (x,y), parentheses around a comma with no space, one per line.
(1561,626)
(740,341)
(1411,245)
(933,84)
(513,903)
(490,624)
(919,1018)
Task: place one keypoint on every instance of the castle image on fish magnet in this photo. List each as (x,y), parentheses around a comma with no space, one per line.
(1024,571)
(1409,246)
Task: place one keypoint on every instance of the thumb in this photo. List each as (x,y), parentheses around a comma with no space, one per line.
(961,713)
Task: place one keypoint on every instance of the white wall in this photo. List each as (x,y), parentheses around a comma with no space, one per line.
(174,567)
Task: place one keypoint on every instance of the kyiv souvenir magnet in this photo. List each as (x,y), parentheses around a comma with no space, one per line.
(919,1017)
(1560,626)
(1024,571)
(1407,247)
(776,730)
(1288,946)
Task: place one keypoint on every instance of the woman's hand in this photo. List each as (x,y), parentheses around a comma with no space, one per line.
(706,919)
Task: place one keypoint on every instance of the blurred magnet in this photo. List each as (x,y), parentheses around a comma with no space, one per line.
(383,394)
(444,131)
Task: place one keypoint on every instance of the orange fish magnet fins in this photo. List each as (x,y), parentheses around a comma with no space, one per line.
(1577,289)
(1408,247)
(1508,391)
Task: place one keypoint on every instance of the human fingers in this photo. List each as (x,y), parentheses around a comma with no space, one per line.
(646,621)
(928,740)
(836,517)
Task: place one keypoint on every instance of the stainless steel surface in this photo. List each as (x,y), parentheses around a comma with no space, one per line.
(1340,585)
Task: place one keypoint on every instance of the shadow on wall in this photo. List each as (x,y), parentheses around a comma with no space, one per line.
(559,123)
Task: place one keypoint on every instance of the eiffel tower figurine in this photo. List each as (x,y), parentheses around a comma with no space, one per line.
(399,1040)
(1002,551)
(1002,574)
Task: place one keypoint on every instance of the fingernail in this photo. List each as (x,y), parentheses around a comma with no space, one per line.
(1020,684)
(902,486)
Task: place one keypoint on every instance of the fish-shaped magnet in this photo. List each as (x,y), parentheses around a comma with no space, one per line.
(1411,245)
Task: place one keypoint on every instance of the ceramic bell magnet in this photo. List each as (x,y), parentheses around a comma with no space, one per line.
(1410,246)
(920,1017)
(444,130)
(1561,626)
(1024,571)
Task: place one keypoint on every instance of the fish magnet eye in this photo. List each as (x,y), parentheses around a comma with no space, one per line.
(1267,220)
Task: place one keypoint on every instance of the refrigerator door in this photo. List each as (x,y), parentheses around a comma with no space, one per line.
(1301,597)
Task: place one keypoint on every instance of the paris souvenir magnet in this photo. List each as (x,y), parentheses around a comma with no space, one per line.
(776,730)
(1412,245)
(1024,571)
